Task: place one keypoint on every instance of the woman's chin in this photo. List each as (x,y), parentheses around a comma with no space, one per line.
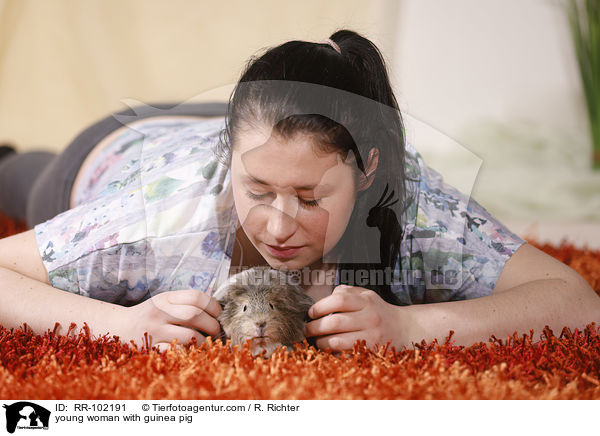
(295,264)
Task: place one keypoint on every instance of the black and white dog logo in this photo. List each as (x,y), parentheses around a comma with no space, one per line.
(26,415)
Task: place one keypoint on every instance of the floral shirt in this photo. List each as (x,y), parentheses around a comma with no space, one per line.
(156,213)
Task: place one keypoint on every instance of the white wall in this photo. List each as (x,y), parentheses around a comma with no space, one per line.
(461,61)
(500,77)
(67,63)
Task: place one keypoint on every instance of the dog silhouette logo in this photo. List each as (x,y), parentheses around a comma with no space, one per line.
(26,415)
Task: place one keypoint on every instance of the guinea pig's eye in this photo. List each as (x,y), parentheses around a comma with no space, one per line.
(245,307)
(271,304)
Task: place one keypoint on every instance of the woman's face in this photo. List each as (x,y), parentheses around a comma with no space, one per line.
(288,193)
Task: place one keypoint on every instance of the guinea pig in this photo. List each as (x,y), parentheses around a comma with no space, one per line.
(261,305)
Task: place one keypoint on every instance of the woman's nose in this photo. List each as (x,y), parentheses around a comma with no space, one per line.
(282,218)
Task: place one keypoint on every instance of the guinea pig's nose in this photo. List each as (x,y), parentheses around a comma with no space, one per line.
(260,328)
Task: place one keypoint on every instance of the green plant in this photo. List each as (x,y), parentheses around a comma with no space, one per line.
(584,21)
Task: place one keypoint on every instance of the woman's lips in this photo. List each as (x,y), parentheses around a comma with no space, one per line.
(283,253)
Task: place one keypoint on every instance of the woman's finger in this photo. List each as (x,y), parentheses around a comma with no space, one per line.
(194,297)
(341,301)
(338,342)
(192,316)
(164,346)
(334,323)
(183,335)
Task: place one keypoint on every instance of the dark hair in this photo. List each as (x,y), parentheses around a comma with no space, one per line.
(272,91)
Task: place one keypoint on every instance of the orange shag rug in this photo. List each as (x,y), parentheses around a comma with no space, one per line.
(77,366)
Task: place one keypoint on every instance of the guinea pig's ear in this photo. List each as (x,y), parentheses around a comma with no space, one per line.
(223,300)
(222,294)
(304,301)
(306,317)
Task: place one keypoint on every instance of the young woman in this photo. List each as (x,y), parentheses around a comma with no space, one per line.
(306,169)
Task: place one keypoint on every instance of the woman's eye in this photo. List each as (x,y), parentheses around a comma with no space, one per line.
(308,203)
(271,304)
(254,196)
(245,307)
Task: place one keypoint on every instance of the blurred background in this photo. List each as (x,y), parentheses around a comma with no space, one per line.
(490,89)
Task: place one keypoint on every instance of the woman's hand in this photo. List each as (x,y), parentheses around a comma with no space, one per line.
(181,315)
(352,313)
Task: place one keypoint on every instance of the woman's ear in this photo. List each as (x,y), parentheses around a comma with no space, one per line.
(367,178)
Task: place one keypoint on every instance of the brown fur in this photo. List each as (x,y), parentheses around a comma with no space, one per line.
(274,309)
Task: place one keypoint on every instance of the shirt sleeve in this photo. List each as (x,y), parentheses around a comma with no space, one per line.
(168,229)
(454,248)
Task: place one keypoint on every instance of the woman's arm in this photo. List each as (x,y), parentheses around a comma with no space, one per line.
(533,290)
(26,296)
(25,300)
(556,303)
(352,313)
(19,253)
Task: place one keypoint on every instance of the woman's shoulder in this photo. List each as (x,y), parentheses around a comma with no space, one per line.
(450,234)
(441,209)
